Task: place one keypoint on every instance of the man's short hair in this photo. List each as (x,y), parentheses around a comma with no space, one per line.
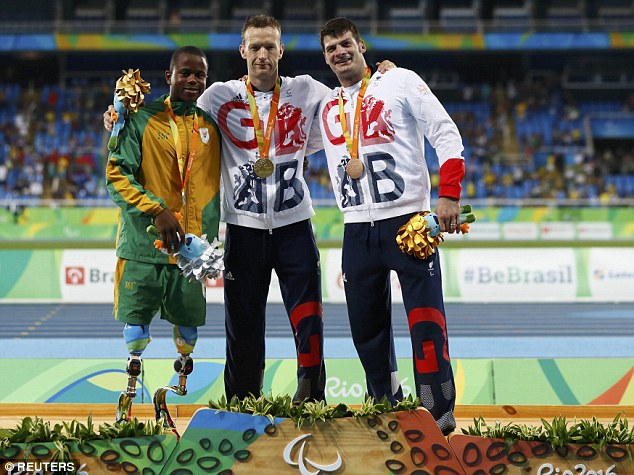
(338,27)
(195,50)
(261,21)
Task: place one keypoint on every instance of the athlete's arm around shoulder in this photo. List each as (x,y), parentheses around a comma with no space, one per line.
(318,89)
(213,94)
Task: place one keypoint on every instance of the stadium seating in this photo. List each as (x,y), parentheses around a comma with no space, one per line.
(536,139)
(512,15)
(616,15)
(551,138)
(458,16)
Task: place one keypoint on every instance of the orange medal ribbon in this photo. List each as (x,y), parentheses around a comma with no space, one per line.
(184,165)
(264,137)
(352,144)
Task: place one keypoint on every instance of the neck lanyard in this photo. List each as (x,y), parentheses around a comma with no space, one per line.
(352,144)
(264,137)
(184,164)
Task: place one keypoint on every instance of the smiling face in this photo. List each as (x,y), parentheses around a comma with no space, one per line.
(262,49)
(187,78)
(344,55)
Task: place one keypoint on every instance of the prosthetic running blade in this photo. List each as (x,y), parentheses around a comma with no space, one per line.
(161,410)
(124,408)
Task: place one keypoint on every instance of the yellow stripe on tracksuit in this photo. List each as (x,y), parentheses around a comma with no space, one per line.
(142,177)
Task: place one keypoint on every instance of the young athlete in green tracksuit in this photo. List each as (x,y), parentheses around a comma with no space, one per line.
(167,161)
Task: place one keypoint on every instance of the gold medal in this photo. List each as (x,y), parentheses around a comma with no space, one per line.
(263,167)
(354,168)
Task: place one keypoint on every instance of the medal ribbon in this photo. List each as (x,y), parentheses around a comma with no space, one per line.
(184,165)
(352,144)
(264,137)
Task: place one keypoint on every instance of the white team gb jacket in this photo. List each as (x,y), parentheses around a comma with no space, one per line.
(283,197)
(398,110)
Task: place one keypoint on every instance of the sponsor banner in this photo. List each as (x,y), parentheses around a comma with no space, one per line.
(222,230)
(614,127)
(611,273)
(88,276)
(484,231)
(520,231)
(332,279)
(214,292)
(515,275)
(547,41)
(595,230)
(557,231)
(469,275)
(223,41)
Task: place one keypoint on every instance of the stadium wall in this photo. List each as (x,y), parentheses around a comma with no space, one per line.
(503,41)
(575,381)
(65,227)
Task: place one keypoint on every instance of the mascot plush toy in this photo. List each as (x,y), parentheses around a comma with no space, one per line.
(421,235)
(198,259)
(129,96)
(118,117)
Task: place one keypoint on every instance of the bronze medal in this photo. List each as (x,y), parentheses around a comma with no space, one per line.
(354,168)
(263,167)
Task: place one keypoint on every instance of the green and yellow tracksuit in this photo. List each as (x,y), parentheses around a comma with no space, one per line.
(143,178)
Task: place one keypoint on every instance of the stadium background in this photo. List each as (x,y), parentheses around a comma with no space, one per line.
(542,93)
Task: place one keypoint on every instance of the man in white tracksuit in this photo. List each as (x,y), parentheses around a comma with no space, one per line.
(265,123)
(373,129)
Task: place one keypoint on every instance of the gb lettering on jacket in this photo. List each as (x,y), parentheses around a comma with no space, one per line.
(288,138)
(375,129)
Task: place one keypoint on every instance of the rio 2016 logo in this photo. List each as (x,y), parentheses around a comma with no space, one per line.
(580,469)
(338,388)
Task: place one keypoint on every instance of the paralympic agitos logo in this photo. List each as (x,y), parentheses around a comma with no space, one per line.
(303,461)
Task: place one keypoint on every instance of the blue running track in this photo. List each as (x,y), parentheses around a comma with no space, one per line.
(542,330)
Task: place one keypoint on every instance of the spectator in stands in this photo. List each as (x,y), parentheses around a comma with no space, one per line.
(627,163)
(174,12)
(167,161)
(376,164)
